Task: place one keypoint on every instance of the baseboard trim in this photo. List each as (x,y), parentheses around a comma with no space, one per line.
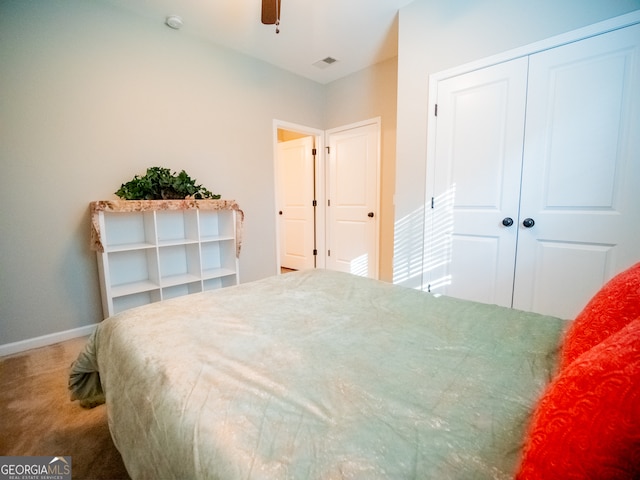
(45,340)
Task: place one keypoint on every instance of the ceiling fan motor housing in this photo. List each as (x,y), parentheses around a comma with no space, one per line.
(271,12)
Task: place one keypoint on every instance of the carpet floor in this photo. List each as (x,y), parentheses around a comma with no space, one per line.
(37,417)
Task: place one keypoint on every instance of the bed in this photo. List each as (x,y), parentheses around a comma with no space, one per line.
(319,375)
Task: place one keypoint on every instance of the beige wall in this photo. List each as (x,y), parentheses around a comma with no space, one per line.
(90,96)
(435,36)
(367,94)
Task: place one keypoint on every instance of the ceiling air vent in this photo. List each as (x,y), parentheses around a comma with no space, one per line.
(325,62)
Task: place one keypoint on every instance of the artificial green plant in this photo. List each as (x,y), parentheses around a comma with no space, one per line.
(161,184)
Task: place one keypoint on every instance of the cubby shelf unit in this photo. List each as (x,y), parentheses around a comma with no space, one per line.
(152,250)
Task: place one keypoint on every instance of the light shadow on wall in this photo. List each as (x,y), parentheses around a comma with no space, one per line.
(408,246)
(360,265)
(423,244)
(438,241)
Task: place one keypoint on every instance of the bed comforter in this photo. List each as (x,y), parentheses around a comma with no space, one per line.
(319,375)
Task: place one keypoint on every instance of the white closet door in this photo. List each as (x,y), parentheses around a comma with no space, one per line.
(469,253)
(581,172)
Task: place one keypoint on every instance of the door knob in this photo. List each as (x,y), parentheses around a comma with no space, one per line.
(370,214)
(528,222)
(507,221)
(280,212)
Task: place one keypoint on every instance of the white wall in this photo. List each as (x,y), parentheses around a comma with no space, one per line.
(90,96)
(435,36)
(370,93)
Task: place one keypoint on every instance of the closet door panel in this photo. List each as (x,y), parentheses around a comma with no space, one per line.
(480,123)
(563,274)
(580,172)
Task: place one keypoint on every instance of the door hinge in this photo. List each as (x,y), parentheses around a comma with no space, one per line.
(315,203)
(314,151)
(436,110)
(328,253)
(432,202)
(328,203)
(315,251)
(429,288)
(328,150)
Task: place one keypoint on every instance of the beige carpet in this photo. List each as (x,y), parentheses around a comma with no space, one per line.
(38,419)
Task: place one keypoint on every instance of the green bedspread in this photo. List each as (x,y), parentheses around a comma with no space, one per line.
(320,375)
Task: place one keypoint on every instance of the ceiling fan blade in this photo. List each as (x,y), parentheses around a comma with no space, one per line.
(270,11)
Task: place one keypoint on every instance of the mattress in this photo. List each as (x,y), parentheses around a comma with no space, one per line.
(320,375)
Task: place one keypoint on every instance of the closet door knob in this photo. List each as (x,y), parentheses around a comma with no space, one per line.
(528,222)
(370,214)
(507,221)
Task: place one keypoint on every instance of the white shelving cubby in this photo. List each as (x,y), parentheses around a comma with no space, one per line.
(153,250)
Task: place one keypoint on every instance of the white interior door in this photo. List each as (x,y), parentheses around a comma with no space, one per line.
(470,252)
(295,209)
(353,200)
(581,172)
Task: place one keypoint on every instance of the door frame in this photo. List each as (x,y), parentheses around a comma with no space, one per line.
(605,26)
(319,186)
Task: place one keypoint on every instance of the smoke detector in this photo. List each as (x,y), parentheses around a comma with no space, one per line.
(174,21)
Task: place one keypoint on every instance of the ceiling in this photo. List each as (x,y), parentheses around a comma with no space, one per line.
(357,33)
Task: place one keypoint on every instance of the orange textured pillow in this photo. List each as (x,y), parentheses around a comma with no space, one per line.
(614,306)
(587,423)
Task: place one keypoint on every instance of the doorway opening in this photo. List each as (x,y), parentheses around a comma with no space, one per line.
(299,197)
(328,197)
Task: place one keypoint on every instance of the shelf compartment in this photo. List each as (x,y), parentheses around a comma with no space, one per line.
(182,289)
(217,225)
(217,273)
(129,231)
(171,280)
(133,270)
(125,289)
(217,238)
(218,254)
(219,282)
(130,246)
(175,227)
(179,264)
(126,302)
